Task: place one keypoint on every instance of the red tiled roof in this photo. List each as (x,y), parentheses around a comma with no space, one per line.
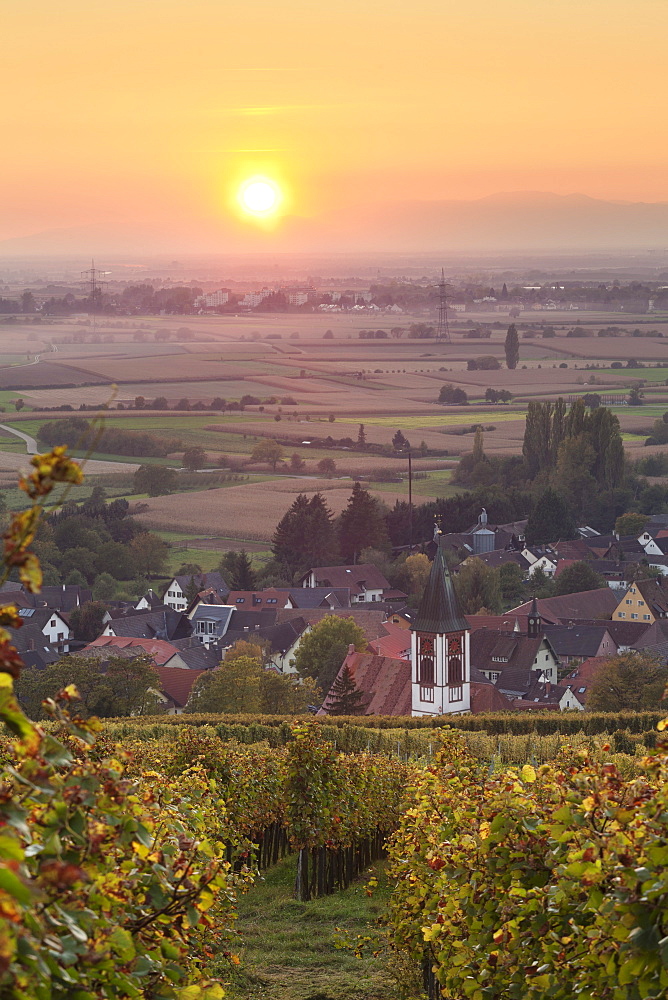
(396,642)
(371,622)
(488,698)
(563,564)
(583,676)
(159,650)
(501,623)
(598,603)
(178,683)
(384,680)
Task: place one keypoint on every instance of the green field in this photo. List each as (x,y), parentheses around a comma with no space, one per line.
(448,419)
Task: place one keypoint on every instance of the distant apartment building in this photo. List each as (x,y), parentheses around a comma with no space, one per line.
(254,299)
(212,299)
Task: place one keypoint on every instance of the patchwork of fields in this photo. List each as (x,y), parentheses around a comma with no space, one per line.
(311,394)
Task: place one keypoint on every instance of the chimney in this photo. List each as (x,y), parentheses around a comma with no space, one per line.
(548,688)
(351,648)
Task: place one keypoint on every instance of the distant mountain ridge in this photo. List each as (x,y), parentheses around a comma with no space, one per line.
(506,221)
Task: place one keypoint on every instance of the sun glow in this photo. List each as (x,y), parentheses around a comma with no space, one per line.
(259,196)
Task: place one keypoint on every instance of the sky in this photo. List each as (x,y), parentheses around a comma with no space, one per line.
(149,114)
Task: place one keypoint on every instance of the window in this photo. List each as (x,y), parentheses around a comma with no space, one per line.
(634,616)
(240,600)
(622,614)
(646,617)
(581,690)
(52,622)
(641,604)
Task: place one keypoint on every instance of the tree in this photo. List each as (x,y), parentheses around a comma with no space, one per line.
(477,588)
(511,582)
(255,650)
(344,697)
(237,569)
(150,553)
(629,682)
(361,437)
(160,403)
(118,687)
(635,396)
(156,480)
(453,395)
(577,577)
(194,458)
(19,404)
(361,525)
(478,452)
(512,347)
(630,524)
(231,688)
(327,467)
(592,400)
(321,651)
(418,568)
(287,694)
(550,520)
(87,620)
(104,587)
(269,451)
(305,536)
(400,443)
(140,402)
(296,463)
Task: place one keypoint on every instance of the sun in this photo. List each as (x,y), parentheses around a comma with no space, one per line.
(259,196)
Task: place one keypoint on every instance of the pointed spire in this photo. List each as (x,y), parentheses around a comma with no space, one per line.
(439,608)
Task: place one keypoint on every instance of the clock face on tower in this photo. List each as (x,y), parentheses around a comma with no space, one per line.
(455,646)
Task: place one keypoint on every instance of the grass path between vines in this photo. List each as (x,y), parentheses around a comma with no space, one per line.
(288,950)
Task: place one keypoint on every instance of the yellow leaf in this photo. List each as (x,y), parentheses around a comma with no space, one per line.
(528,774)
(663,724)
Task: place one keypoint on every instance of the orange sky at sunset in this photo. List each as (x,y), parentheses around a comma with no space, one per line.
(153,113)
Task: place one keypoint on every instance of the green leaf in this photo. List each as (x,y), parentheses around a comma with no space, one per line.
(13,885)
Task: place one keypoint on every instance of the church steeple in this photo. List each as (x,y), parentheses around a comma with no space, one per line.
(534,621)
(440,648)
(439,608)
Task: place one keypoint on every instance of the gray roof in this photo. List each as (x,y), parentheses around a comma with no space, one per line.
(576,640)
(439,608)
(163,624)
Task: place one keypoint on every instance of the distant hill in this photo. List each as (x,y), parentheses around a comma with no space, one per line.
(508,221)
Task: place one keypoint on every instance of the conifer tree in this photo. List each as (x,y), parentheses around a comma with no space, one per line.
(344,697)
(361,525)
(551,520)
(361,437)
(512,347)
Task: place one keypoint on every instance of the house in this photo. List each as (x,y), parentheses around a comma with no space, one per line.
(396,642)
(644,601)
(581,678)
(210,622)
(175,687)
(280,641)
(575,643)
(500,655)
(365,581)
(182,588)
(370,620)
(295,597)
(385,683)
(43,638)
(545,696)
(154,624)
(598,603)
(163,654)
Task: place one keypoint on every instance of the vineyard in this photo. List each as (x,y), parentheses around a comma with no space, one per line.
(529,863)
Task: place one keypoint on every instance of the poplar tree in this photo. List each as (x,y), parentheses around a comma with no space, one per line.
(512,347)
(551,520)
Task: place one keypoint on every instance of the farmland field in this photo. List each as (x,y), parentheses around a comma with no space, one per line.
(315,387)
(248,511)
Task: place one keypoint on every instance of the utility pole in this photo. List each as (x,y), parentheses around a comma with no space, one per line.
(442,330)
(92,281)
(410,502)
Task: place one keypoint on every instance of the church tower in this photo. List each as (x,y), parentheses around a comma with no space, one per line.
(534,621)
(440,647)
